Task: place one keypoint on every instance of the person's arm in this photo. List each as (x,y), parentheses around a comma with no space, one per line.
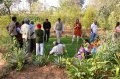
(55,27)
(91,28)
(44,26)
(52,51)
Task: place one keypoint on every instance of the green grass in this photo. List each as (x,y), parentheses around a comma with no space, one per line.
(71,49)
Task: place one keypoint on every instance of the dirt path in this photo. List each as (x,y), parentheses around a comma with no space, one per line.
(35,72)
(2,62)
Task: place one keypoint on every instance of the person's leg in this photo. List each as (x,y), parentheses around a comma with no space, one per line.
(58,36)
(48,35)
(41,49)
(78,37)
(45,36)
(73,38)
(34,45)
(37,48)
(94,37)
(91,37)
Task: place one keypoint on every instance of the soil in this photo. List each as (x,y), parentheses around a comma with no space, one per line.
(2,63)
(35,72)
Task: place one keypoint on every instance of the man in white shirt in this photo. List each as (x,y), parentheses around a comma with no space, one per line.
(58,49)
(94,30)
(25,34)
(58,28)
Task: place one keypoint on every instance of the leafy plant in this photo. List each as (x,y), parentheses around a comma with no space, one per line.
(59,61)
(40,60)
(15,56)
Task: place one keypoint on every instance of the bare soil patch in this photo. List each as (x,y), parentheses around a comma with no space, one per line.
(35,72)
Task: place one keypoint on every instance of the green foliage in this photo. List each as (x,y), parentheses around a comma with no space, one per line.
(86,69)
(41,60)
(60,61)
(89,16)
(15,56)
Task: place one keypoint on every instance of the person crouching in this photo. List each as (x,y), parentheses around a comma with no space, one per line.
(39,40)
(58,49)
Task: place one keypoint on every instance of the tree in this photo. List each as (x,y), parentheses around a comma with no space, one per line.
(36,7)
(7,5)
(89,16)
(30,2)
(105,9)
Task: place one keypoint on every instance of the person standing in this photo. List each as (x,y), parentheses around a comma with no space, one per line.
(47,26)
(94,30)
(58,28)
(25,34)
(77,31)
(32,36)
(11,28)
(39,40)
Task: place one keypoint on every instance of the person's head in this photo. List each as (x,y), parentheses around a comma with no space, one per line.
(86,41)
(14,18)
(59,19)
(26,21)
(22,22)
(38,26)
(17,24)
(46,20)
(117,24)
(55,43)
(77,21)
(95,22)
(32,22)
(81,46)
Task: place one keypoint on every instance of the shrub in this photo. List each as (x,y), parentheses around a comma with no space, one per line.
(60,61)
(15,56)
(40,60)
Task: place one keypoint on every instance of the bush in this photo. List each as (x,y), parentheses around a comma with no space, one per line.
(15,56)
(59,61)
(40,60)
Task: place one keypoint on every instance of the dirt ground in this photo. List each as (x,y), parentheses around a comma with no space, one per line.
(34,72)
(2,62)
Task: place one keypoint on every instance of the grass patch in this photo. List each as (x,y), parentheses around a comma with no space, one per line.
(71,49)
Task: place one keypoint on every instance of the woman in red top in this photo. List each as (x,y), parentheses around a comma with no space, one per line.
(77,31)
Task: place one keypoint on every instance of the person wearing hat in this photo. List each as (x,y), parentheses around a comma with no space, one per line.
(58,49)
(58,28)
(39,40)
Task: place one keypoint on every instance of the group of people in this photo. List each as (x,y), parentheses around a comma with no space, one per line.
(34,37)
(95,45)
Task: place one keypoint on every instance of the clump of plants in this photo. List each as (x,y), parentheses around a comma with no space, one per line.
(103,65)
(40,60)
(16,57)
(60,61)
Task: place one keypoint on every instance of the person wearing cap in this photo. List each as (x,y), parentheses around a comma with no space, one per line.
(47,26)
(25,34)
(58,49)
(58,28)
(39,40)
